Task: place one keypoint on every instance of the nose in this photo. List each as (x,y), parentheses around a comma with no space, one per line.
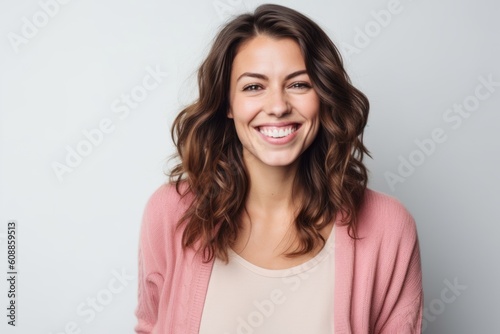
(276,103)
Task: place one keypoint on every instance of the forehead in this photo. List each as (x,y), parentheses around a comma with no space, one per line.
(268,53)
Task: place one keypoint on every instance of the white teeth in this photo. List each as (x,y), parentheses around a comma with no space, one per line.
(277,133)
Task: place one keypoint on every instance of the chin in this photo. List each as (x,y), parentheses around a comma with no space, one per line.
(280,162)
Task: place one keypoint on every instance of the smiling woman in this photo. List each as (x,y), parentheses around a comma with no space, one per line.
(272,102)
(267,221)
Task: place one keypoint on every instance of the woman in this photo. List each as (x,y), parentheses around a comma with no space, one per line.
(267,225)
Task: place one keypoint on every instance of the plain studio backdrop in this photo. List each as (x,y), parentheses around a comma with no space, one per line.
(88,92)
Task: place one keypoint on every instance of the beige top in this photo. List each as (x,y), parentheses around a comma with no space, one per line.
(243,298)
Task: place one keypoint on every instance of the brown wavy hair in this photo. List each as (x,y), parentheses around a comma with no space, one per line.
(331,174)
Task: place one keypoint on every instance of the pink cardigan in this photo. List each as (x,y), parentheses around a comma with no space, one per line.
(378,279)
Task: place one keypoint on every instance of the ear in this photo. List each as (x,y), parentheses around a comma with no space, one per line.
(230,113)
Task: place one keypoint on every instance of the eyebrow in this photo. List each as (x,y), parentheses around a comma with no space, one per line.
(263,77)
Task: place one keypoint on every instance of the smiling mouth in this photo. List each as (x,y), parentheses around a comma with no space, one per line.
(278,132)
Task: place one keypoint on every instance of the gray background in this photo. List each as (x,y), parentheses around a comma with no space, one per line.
(77,232)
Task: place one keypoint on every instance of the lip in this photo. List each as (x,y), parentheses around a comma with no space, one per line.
(278,141)
(278,125)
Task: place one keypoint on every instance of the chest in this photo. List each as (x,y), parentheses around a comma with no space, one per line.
(245,298)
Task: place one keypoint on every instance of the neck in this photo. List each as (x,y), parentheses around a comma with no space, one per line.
(270,188)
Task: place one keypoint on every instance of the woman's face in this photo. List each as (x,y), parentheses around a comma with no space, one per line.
(272,102)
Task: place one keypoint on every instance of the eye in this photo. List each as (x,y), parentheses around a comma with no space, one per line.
(300,85)
(252,87)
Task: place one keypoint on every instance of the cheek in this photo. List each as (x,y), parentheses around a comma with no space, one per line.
(311,111)
(311,108)
(243,110)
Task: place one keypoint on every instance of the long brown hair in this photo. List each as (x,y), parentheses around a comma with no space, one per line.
(331,174)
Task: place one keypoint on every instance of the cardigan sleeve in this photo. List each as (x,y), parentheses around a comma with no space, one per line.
(148,292)
(404,298)
(150,266)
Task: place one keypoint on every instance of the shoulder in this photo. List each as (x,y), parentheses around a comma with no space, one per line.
(384,216)
(388,243)
(167,200)
(160,238)
(164,209)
